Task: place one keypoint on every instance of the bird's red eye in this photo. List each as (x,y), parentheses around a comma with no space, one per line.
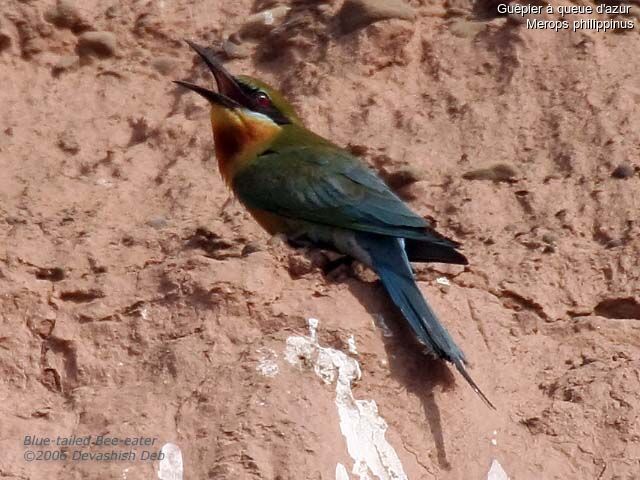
(263,99)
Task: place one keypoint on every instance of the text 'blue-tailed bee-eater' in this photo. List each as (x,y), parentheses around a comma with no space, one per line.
(300,185)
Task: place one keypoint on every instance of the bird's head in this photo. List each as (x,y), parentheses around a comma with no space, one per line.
(246,114)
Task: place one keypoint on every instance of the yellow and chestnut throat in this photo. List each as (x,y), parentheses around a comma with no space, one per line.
(239,136)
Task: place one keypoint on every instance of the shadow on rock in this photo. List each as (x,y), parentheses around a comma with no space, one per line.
(417,371)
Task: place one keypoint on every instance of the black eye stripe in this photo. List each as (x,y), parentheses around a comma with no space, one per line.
(271,110)
(250,88)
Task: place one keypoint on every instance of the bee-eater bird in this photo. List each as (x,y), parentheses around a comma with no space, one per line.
(298,184)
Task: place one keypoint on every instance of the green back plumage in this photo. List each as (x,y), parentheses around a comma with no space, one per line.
(303,176)
(324,184)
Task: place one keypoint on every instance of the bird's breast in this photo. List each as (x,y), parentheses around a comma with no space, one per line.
(229,143)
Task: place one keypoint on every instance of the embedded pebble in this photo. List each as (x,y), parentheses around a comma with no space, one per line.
(357,14)
(233,49)
(68,143)
(466,28)
(261,23)
(434,11)
(164,65)
(65,14)
(99,44)
(500,172)
(5,39)
(158,222)
(251,247)
(64,64)
(300,265)
(403,177)
(624,170)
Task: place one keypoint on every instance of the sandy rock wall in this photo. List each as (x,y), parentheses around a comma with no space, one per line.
(136,300)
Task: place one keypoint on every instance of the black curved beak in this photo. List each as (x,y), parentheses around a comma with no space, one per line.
(213,97)
(230,94)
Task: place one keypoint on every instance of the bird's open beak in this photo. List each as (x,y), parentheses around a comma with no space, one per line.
(213,97)
(229,93)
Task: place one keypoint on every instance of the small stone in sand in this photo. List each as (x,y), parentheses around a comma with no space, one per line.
(261,23)
(65,14)
(499,172)
(233,49)
(164,65)
(403,177)
(251,247)
(356,14)
(64,64)
(5,39)
(624,170)
(466,29)
(68,143)
(99,44)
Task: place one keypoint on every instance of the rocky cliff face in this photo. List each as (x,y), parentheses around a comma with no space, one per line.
(137,301)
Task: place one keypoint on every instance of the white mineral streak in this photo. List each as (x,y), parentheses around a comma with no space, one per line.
(267,364)
(496,472)
(360,423)
(341,472)
(313,328)
(170,467)
(351,343)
